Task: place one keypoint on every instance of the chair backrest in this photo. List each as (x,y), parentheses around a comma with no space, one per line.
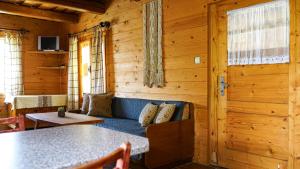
(121,156)
(17,121)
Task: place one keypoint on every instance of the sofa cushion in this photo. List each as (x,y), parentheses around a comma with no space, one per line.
(147,115)
(100,105)
(123,125)
(129,108)
(165,113)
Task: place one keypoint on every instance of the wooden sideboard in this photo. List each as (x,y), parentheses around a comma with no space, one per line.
(33,107)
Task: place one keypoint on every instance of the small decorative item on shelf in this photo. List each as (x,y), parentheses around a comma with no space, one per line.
(61,112)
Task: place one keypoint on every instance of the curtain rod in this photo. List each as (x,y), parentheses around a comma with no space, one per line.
(100,25)
(83,31)
(22,30)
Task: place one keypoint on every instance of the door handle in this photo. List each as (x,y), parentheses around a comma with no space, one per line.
(223,85)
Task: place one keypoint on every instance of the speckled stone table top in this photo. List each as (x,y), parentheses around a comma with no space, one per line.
(63,147)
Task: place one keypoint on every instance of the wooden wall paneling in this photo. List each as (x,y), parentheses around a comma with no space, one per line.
(40,81)
(270,109)
(213,84)
(254,134)
(238,159)
(231,5)
(222,100)
(297,106)
(294,100)
(259,70)
(185,36)
(172,75)
(259,88)
(247,136)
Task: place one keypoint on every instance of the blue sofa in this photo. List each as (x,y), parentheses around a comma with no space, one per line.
(170,143)
(126,113)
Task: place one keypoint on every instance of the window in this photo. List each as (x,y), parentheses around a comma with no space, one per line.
(259,34)
(11,80)
(85,67)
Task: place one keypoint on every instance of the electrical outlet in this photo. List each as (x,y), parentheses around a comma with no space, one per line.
(197,60)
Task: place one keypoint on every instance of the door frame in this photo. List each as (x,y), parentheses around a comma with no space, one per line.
(217,67)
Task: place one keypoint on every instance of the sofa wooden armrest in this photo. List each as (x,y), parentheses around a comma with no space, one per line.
(170,143)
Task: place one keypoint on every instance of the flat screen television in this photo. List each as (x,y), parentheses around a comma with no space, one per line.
(48,43)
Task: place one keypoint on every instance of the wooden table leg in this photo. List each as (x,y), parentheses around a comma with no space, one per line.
(36,125)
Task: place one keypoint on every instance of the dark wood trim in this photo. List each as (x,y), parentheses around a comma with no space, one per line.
(12,9)
(77,5)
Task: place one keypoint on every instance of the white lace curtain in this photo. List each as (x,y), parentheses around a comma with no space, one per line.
(11,82)
(259,34)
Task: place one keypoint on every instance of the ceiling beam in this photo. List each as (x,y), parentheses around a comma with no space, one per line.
(77,5)
(12,9)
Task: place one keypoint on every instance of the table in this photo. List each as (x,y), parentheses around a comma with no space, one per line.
(63,147)
(71,118)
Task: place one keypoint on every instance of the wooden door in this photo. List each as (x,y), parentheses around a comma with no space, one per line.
(251,128)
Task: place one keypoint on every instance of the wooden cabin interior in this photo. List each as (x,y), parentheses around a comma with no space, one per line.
(190,84)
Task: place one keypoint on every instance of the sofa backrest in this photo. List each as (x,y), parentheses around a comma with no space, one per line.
(130,108)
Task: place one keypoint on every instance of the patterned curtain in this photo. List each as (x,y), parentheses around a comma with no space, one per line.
(73,83)
(97,63)
(153,63)
(11,65)
(259,34)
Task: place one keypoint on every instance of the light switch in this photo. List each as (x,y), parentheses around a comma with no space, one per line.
(197,60)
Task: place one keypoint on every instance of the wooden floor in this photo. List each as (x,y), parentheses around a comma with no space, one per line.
(193,166)
(185,166)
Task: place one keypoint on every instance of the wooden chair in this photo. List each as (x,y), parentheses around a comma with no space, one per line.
(121,156)
(17,121)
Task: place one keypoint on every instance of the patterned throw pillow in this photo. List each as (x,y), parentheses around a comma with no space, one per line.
(165,113)
(85,103)
(100,105)
(147,115)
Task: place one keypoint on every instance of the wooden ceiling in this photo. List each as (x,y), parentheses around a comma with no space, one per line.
(53,10)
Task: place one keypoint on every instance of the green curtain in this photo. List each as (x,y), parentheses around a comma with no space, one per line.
(153,62)
(97,63)
(73,86)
